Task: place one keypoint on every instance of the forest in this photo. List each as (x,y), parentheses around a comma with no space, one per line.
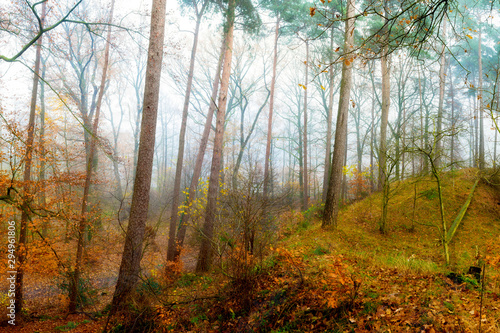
(249,166)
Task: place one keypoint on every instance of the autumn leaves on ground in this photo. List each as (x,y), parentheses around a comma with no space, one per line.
(301,277)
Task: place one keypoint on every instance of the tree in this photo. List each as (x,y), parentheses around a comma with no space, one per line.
(75,282)
(267,157)
(335,181)
(251,22)
(132,251)
(386,98)
(242,93)
(27,198)
(442,84)
(205,256)
(174,217)
(181,234)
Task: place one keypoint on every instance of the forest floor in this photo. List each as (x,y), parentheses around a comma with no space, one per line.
(348,279)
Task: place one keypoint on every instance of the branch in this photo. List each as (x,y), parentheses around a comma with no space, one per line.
(40,33)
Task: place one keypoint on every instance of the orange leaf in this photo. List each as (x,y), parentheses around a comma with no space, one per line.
(312,11)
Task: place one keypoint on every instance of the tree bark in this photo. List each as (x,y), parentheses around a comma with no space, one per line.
(22,248)
(205,256)
(335,182)
(132,251)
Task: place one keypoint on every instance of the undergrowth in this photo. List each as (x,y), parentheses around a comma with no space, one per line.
(352,279)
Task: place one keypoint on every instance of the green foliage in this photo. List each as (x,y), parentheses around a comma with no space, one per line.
(320,250)
(449,306)
(430,193)
(85,293)
(69,326)
(190,279)
(314,211)
(149,285)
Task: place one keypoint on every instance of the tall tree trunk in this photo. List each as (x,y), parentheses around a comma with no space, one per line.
(386,102)
(205,256)
(22,248)
(480,113)
(174,217)
(300,155)
(42,176)
(267,179)
(181,234)
(335,182)
(132,251)
(476,131)
(305,199)
(424,164)
(442,82)
(75,278)
(328,152)
(116,134)
(372,143)
(452,152)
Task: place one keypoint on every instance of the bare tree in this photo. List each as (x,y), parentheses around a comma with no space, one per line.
(73,294)
(22,252)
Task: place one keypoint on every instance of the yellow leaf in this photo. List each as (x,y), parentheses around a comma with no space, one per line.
(469,36)
(324,89)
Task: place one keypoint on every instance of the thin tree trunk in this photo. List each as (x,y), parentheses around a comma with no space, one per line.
(73,295)
(267,179)
(41,177)
(174,217)
(452,152)
(27,196)
(335,182)
(305,199)
(386,101)
(423,161)
(329,117)
(181,234)
(205,256)
(116,133)
(244,141)
(132,251)
(442,82)
(480,113)
(372,143)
